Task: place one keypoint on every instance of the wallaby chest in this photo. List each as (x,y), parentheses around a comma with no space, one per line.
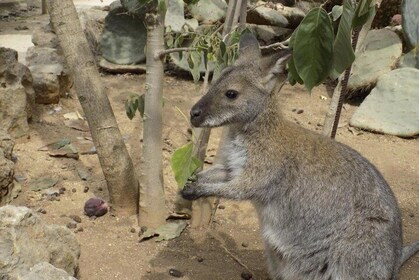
(235,155)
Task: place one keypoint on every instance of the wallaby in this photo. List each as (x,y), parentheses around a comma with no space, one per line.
(325,212)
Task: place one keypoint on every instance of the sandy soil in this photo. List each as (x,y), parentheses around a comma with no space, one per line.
(110,250)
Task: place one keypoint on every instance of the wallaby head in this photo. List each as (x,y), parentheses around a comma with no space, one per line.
(243,89)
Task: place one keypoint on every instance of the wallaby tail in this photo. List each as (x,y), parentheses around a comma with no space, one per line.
(409,251)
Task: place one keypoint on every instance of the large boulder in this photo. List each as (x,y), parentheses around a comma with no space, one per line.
(43,36)
(392,106)
(50,76)
(379,54)
(26,241)
(124,37)
(6,167)
(16,94)
(46,271)
(93,21)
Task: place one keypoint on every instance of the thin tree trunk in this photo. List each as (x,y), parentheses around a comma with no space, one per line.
(153,210)
(204,209)
(44,7)
(335,108)
(113,156)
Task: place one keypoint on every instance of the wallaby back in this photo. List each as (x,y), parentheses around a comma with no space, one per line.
(325,212)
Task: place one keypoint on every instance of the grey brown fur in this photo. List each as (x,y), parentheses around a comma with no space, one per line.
(325,212)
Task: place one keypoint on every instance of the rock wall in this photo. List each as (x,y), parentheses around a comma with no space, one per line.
(6,167)
(16,94)
(26,243)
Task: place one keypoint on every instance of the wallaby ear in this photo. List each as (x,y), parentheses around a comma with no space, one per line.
(248,47)
(273,68)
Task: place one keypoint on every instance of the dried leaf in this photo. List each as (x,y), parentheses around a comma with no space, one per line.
(165,232)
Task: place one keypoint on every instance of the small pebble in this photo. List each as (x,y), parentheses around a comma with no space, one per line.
(143,229)
(75,218)
(71,225)
(100,189)
(175,273)
(42,211)
(411,215)
(132,230)
(294,110)
(245,244)
(221,207)
(61,190)
(300,111)
(246,275)
(80,229)
(86,189)
(200,259)
(73,190)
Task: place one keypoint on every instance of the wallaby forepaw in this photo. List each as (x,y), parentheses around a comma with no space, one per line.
(189,192)
(193,178)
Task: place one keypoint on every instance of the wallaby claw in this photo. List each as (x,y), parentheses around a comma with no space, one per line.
(189,192)
(193,178)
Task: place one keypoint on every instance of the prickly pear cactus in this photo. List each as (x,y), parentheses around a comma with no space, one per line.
(392,106)
(379,55)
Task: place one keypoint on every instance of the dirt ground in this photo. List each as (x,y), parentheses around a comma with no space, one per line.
(109,248)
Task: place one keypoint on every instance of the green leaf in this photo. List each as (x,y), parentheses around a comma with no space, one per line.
(313,48)
(196,62)
(131,106)
(223,48)
(337,11)
(410,21)
(343,54)
(293,76)
(184,164)
(161,5)
(141,104)
(169,40)
(363,12)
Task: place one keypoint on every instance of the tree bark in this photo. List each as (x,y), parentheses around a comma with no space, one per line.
(44,7)
(204,209)
(153,210)
(115,161)
(335,108)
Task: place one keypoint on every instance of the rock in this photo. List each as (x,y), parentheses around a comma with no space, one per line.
(93,21)
(116,68)
(294,15)
(46,271)
(43,36)
(208,11)
(175,15)
(411,59)
(134,7)
(269,34)
(6,168)
(124,38)
(50,76)
(262,15)
(392,106)
(26,241)
(16,94)
(379,55)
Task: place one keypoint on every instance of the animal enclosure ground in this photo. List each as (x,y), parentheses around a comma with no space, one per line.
(111,251)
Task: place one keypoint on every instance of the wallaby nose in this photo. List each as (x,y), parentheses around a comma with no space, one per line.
(195,112)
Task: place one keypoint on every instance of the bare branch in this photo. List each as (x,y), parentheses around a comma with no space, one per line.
(168,51)
(279,45)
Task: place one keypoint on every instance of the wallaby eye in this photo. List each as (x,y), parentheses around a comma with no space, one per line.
(231,94)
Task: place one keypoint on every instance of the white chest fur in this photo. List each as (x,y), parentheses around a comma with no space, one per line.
(236,156)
